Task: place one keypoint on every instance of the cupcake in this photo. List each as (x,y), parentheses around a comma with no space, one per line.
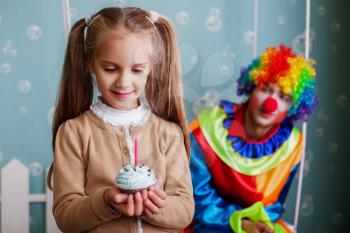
(133,178)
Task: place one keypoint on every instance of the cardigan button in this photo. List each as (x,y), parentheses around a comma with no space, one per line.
(125,150)
(132,129)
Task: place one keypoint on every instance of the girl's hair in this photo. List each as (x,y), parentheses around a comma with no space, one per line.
(294,74)
(163,89)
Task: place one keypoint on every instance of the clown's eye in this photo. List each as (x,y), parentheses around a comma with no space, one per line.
(265,88)
(286,98)
(268,89)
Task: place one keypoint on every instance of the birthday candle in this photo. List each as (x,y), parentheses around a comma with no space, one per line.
(135,151)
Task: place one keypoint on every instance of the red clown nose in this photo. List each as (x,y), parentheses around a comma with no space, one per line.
(269,105)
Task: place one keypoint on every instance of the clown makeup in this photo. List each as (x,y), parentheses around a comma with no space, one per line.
(268,106)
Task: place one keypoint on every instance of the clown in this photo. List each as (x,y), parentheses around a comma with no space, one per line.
(244,156)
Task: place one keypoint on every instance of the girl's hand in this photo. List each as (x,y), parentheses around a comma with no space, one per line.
(154,201)
(126,204)
(138,204)
(255,227)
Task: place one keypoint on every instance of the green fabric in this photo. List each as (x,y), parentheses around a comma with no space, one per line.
(211,124)
(279,229)
(255,213)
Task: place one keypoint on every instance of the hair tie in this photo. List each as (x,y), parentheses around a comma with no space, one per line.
(154,16)
(89,19)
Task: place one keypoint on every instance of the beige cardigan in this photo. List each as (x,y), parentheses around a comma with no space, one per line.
(88,155)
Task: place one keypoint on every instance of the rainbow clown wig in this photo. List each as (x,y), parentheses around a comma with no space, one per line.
(294,74)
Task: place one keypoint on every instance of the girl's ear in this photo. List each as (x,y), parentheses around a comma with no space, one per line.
(91,69)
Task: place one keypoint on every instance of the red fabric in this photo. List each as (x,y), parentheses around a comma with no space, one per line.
(241,189)
(189,229)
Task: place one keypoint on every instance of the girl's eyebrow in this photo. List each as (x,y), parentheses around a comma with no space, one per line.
(109,62)
(141,64)
(113,63)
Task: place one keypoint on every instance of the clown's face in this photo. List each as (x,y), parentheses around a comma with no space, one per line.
(268,106)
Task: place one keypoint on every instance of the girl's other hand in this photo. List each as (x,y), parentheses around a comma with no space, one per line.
(138,204)
(126,204)
(155,201)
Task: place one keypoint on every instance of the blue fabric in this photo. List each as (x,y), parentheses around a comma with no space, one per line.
(252,150)
(285,189)
(274,211)
(227,106)
(212,212)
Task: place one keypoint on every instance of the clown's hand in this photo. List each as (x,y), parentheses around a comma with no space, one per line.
(255,227)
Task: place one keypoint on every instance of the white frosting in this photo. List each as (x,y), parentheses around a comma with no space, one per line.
(132,177)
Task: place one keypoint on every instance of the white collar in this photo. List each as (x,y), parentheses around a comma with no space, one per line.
(124,118)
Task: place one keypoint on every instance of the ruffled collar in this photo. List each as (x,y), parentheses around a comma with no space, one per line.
(118,117)
(264,147)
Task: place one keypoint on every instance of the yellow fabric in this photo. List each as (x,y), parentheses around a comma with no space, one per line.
(194,125)
(271,182)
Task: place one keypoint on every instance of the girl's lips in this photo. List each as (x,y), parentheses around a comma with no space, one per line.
(122,95)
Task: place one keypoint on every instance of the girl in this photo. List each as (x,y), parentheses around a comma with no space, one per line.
(125,52)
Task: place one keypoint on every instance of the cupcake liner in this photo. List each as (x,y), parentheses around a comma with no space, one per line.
(128,189)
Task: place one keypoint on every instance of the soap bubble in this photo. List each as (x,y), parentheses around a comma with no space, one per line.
(209,99)
(321,10)
(23,109)
(342,101)
(335,27)
(319,132)
(182,17)
(5,68)
(34,32)
(249,37)
(307,206)
(338,218)
(213,24)
(333,147)
(8,49)
(281,20)
(24,86)
(35,169)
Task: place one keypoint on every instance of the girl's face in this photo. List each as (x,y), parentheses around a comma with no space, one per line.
(121,69)
(273,114)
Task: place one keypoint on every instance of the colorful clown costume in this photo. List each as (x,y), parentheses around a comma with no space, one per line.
(234,177)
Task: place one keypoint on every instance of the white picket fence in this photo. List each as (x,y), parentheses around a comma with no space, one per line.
(15,200)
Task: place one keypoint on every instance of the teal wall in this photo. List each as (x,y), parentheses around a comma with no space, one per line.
(215,40)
